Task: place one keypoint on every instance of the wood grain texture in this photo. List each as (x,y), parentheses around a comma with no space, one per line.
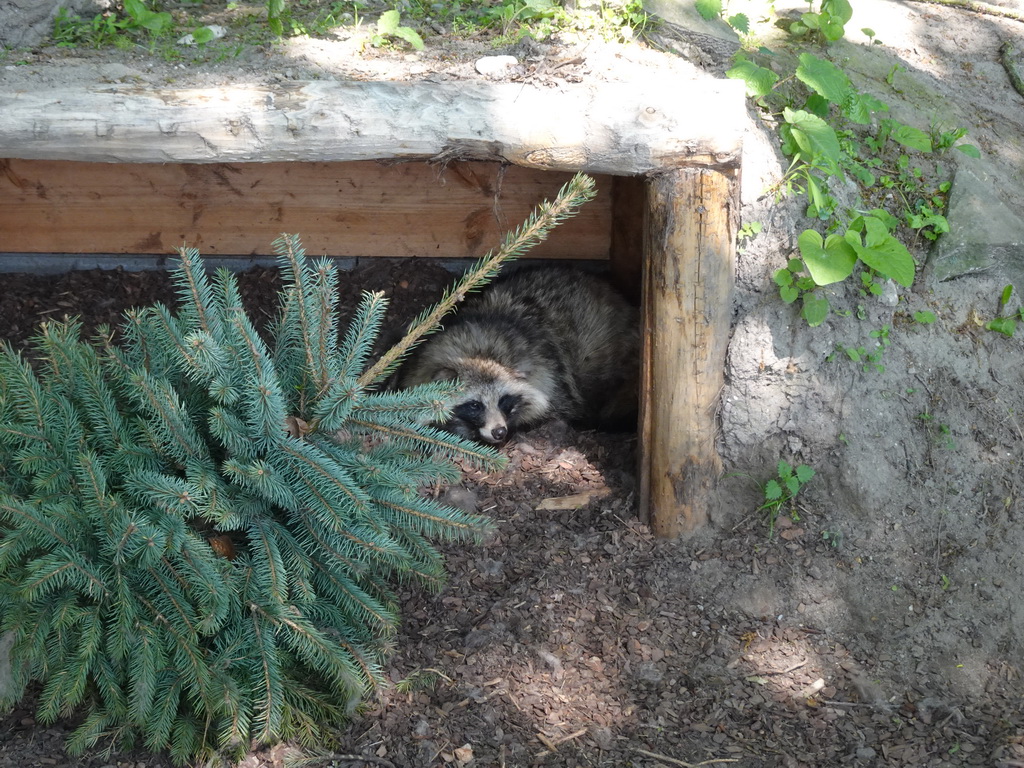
(615,128)
(688,281)
(355,209)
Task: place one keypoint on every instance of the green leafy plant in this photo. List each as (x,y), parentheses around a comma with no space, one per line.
(828,22)
(868,359)
(200,527)
(107,28)
(388,27)
(276,10)
(142,17)
(69,30)
(781,492)
(1006,324)
(827,131)
(539,19)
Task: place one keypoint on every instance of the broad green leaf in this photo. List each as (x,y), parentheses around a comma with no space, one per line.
(890,221)
(387,24)
(789,294)
(758,80)
(740,22)
(709,9)
(783,277)
(804,473)
(824,78)
(411,36)
(891,259)
(875,232)
(924,317)
(839,9)
(828,261)
(833,30)
(784,468)
(147,19)
(1004,325)
(911,137)
(817,104)
(816,139)
(811,20)
(772,490)
(1007,293)
(857,109)
(815,309)
(969,149)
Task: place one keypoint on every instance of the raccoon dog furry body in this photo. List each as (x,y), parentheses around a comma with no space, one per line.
(539,344)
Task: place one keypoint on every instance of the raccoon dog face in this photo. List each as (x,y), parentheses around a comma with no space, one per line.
(494,400)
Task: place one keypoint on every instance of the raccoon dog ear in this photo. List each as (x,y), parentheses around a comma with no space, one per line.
(445,374)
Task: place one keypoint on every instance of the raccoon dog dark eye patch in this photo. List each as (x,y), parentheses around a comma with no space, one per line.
(508,403)
(471,411)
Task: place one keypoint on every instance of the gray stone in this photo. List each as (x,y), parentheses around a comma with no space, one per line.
(986,234)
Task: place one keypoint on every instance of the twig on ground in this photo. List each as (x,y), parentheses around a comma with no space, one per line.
(552,744)
(313,760)
(683,763)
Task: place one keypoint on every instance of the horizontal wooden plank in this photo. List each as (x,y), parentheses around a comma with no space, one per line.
(340,209)
(614,128)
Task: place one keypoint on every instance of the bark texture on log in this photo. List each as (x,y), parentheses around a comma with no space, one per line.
(688,280)
(613,128)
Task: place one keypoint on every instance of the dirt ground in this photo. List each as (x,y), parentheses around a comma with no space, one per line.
(883,623)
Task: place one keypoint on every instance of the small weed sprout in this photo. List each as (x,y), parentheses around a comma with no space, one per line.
(388,27)
(1003,323)
(780,492)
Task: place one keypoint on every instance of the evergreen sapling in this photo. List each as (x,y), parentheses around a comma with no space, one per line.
(201,530)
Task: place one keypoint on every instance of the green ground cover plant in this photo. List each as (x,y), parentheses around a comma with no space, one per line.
(831,132)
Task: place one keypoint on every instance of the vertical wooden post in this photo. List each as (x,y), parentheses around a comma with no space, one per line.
(687,308)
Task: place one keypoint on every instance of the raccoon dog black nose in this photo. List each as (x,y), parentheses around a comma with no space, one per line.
(499,433)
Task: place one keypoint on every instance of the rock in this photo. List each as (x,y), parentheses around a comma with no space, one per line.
(497,67)
(985,233)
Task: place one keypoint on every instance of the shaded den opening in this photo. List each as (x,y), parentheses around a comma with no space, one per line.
(115,176)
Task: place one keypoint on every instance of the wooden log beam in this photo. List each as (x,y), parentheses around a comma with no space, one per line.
(687,309)
(614,128)
(341,209)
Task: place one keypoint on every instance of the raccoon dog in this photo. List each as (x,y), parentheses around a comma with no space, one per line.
(539,344)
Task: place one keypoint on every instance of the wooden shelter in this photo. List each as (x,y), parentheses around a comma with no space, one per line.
(417,169)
